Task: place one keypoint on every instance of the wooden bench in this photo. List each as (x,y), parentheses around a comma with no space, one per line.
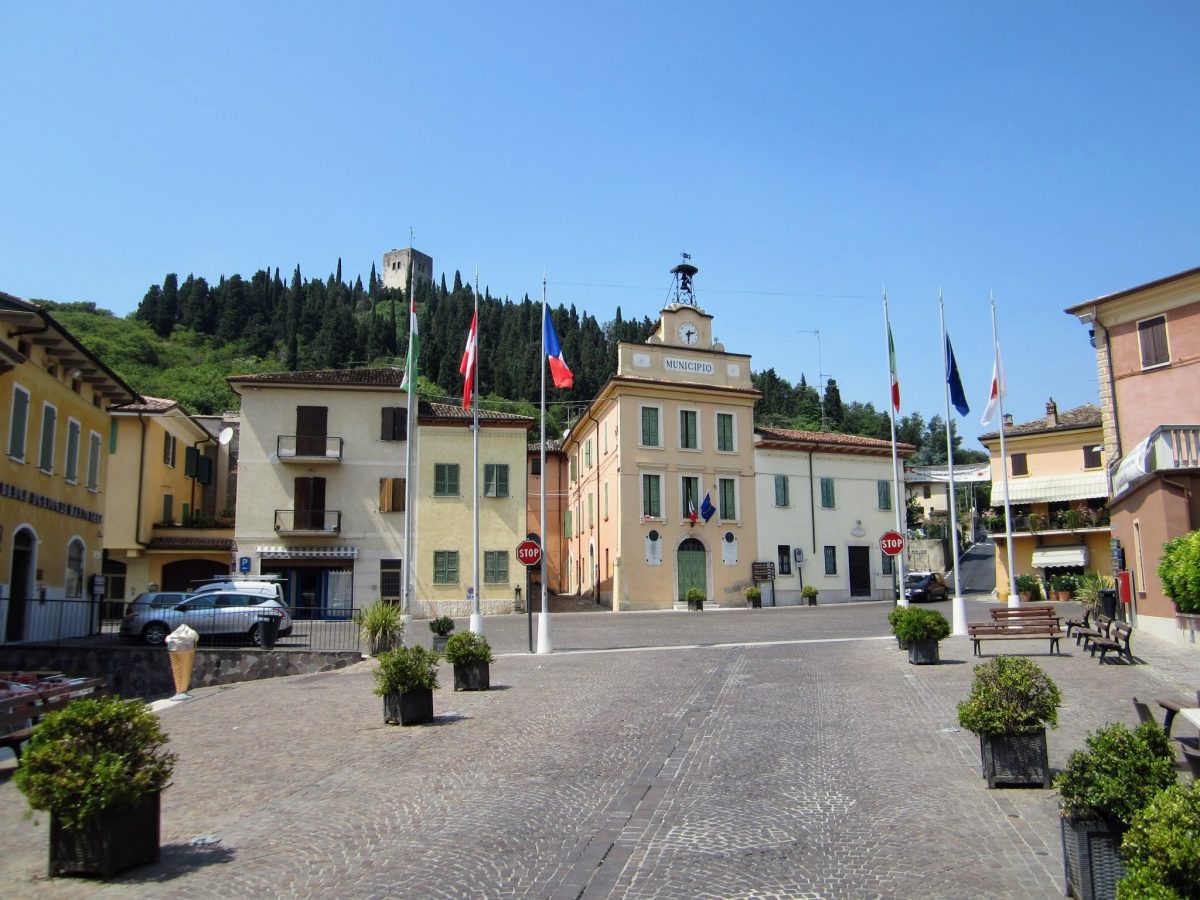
(21,712)
(1116,641)
(1018,630)
(1020,613)
(1098,631)
(1084,621)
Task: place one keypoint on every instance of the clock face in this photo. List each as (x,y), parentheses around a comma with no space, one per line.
(689,333)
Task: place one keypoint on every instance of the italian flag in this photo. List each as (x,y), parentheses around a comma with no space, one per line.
(892,368)
(414,348)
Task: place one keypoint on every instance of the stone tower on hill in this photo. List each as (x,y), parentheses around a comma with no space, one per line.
(395,267)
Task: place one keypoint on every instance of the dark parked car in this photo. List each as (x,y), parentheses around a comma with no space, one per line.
(925,586)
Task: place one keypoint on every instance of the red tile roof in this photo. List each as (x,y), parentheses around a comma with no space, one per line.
(1086,416)
(386,376)
(829,439)
(148,405)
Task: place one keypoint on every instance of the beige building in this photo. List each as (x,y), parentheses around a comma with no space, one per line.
(54,477)
(444,547)
(1057,491)
(673,427)
(171,527)
(1147,341)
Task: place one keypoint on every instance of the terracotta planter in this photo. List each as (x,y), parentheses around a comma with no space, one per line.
(1016,758)
(112,842)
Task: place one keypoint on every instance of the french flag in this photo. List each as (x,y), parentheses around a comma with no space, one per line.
(563,378)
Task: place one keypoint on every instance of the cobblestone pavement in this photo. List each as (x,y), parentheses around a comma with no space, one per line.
(786,752)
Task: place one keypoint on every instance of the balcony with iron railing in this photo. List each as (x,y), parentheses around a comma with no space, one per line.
(1166,448)
(308,521)
(1067,521)
(308,449)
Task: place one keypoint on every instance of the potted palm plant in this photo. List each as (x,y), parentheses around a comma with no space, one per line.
(1162,845)
(922,630)
(754,597)
(99,767)
(441,628)
(381,625)
(1100,791)
(1011,703)
(406,678)
(471,656)
(809,593)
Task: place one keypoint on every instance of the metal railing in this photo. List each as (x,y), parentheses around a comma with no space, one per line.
(82,623)
(308,447)
(312,521)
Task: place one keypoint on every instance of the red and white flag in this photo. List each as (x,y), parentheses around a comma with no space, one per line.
(998,390)
(895,375)
(470,361)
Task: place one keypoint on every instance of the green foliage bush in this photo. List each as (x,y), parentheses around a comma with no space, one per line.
(1029,584)
(1010,694)
(922,625)
(1179,571)
(1161,850)
(405,669)
(441,626)
(808,591)
(93,756)
(468,647)
(381,624)
(693,595)
(897,613)
(1088,587)
(753,593)
(1117,775)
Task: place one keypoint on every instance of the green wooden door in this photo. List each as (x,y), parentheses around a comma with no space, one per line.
(691,560)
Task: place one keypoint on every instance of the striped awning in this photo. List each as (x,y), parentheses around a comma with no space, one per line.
(1060,557)
(1053,488)
(307,552)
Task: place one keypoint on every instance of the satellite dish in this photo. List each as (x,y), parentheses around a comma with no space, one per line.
(225,436)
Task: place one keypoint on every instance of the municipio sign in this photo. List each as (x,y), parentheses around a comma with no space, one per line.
(892,543)
(529,553)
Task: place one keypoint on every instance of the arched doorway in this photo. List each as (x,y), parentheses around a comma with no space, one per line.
(20,582)
(691,562)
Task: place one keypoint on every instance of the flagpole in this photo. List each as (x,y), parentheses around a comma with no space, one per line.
(476,614)
(958,605)
(1014,599)
(410,482)
(543,644)
(901,506)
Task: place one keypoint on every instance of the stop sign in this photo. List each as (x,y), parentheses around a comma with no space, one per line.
(529,553)
(892,543)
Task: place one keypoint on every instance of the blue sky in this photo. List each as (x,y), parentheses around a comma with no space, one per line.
(805,154)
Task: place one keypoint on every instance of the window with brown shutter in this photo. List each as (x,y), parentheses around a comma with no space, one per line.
(391,494)
(310,503)
(1152,334)
(311,430)
(394,424)
(1020,464)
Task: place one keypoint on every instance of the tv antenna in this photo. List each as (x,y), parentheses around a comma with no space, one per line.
(820,375)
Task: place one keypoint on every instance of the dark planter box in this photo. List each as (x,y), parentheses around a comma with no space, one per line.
(439,643)
(1017,758)
(113,842)
(413,707)
(923,653)
(472,676)
(901,643)
(755,604)
(695,604)
(812,601)
(1091,859)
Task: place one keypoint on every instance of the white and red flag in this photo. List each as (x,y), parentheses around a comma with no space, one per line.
(998,390)
(470,361)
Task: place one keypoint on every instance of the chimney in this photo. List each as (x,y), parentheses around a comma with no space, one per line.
(1008,423)
(1051,413)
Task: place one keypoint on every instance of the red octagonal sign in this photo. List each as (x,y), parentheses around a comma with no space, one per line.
(892,543)
(529,553)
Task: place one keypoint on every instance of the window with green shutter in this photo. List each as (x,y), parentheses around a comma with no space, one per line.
(19,422)
(690,495)
(652,496)
(650,427)
(445,480)
(688,438)
(827,496)
(445,567)
(727,488)
(495,567)
(725,432)
(495,480)
(885,494)
(781,491)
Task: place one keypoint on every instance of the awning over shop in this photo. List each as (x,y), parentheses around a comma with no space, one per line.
(307,552)
(1053,488)
(1060,557)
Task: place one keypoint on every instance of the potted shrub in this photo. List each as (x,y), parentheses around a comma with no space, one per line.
(753,597)
(441,628)
(1011,703)
(99,767)
(921,630)
(694,598)
(471,656)
(1088,587)
(1162,845)
(894,617)
(1029,587)
(1179,571)
(406,678)
(1062,586)
(1100,791)
(809,593)
(381,625)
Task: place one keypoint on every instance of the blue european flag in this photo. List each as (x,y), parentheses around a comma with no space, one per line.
(706,508)
(957,396)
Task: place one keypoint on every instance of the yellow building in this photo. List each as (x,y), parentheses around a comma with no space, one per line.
(53,475)
(672,428)
(171,527)
(444,543)
(1057,490)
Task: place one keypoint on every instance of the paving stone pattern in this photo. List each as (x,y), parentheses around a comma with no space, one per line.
(733,753)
